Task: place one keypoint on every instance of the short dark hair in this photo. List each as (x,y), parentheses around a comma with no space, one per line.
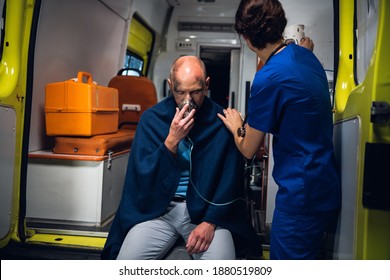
(260,21)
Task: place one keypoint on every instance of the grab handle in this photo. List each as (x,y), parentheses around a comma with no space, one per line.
(80,76)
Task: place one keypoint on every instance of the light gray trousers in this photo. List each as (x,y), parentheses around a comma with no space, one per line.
(153,239)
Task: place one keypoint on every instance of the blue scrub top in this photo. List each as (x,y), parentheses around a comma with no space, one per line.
(290,99)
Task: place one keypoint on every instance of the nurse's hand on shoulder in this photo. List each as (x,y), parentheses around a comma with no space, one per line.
(248,144)
(232,119)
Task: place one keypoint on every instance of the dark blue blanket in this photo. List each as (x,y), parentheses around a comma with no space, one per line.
(153,175)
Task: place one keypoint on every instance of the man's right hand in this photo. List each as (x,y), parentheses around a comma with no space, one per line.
(180,127)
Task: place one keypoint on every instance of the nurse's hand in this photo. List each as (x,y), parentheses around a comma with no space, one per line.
(249,143)
(232,119)
(308,43)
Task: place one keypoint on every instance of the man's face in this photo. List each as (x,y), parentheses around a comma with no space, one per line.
(189,90)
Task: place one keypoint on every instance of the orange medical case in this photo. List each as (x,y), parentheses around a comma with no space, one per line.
(136,94)
(78,108)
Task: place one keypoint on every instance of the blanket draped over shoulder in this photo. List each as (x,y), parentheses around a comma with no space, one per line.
(153,174)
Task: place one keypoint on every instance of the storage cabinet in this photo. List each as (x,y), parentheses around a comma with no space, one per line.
(78,190)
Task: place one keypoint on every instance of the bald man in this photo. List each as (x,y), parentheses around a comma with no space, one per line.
(185,179)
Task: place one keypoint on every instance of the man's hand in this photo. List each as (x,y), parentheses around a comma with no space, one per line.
(180,127)
(200,238)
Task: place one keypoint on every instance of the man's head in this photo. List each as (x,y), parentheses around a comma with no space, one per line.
(188,81)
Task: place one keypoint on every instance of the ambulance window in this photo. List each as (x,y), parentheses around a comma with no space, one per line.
(139,44)
(134,65)
(366,31)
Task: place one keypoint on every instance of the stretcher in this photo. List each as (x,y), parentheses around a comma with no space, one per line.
(98,145)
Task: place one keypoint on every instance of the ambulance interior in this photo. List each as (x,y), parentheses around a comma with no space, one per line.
(77,194)
(66,201)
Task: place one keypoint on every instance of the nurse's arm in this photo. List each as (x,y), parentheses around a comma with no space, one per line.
(249,145)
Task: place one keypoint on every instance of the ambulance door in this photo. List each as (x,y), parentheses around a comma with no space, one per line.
(362,133)
(14,43)
(7,162)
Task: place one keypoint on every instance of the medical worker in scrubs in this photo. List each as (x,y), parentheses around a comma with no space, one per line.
(289,99)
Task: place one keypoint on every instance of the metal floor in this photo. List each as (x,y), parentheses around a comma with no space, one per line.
(19,251)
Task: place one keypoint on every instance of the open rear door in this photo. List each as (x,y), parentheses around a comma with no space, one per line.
(14,44)
(362,134)
(7,163)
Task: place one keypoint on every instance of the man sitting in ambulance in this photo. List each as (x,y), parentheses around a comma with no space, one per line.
(185,179)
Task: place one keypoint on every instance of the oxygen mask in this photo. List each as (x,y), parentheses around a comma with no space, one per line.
(192,104)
